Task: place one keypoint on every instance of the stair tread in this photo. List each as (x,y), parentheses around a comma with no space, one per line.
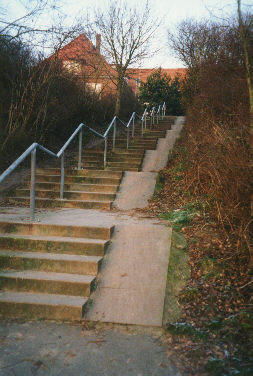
(66,191)
(64,200)
(42,298)
(79,184)
(50,276)
(50,256)
(55,238)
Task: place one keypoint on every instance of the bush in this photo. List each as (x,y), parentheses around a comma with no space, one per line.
(160,88)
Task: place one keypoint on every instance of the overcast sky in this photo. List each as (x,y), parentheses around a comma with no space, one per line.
(171,12)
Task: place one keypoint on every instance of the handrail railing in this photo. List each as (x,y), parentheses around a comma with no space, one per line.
(163,110)
(32,149)
(152,117)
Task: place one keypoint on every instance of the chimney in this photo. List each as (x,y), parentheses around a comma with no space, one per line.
(98,42)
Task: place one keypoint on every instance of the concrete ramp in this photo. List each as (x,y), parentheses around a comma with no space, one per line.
(131,286)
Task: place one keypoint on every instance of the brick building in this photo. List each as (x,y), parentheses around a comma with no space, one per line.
(138,75)
(82,58)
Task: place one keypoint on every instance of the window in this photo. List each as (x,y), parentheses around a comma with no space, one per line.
(72,66)
(96,87)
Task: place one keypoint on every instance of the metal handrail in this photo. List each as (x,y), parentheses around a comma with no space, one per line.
(163,110)
(70,139)
(93,131)
(152,117)
(20,159)
(32,149)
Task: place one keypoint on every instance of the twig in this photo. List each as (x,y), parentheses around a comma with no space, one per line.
(242,287)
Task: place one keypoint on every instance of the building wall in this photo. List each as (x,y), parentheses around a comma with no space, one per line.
(136,76)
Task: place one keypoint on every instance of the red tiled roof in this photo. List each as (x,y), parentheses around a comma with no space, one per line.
(82,50)
(143,73)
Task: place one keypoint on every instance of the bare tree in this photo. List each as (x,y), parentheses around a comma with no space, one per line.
(126,36)
(29,27)
(196,41)
(246,42)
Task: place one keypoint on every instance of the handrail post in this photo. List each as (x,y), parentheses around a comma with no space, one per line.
(62,177)
(32,186)
(145,120)
(105,152)
(157,117)
(142,121)
(80,149)
(127,137)
(114,133)
(133,125)
(151,116)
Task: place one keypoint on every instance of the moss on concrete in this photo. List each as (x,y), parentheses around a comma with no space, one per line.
(178,274)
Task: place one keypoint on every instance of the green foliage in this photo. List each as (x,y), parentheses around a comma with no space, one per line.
(181,217)
(186,329)
(158,186)
(160,88)
(221,333)
(189,294)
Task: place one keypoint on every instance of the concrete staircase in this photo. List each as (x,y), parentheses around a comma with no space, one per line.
(121,158)
(92,187)
(48,271)
(95,189)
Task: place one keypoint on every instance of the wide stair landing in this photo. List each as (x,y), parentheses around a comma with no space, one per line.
(48,271)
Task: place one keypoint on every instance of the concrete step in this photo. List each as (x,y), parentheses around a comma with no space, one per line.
(47,282)
(136,137)
(150,137)
(143,144)
(92,158)
(78,179)
(111,156)
(126,168)
(86,173)
(151,132)
(93,151)
(141,147)
(119,151)
(65,203)
(130,162)
(69,195)
(129,155)
(30,306)
(50,262)
(123,163)
(139,141)
(95,167)
(78,187)
(93,163)
(43,229)
(53,244)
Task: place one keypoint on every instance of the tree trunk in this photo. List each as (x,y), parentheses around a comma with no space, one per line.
(118,99)
(248,75)
(250,89)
